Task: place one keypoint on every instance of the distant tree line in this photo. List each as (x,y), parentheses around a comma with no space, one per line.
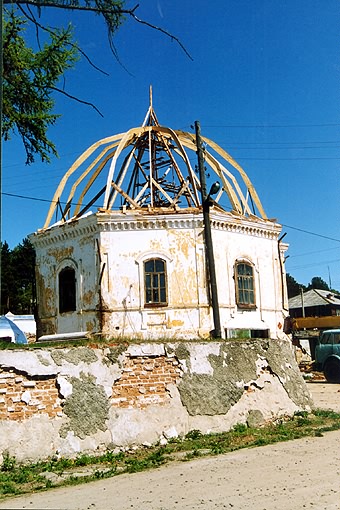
(294,288)
(18,278)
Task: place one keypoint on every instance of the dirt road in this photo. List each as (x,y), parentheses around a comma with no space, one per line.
(296,475)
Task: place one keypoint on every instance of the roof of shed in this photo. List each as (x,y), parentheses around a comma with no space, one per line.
(315,297)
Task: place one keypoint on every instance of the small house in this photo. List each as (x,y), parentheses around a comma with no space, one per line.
(315,303)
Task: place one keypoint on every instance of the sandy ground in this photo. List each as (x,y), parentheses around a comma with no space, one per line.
(296,475)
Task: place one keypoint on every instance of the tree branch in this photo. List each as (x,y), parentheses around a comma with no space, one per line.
(165,32)
(89,8)
(33,19)
(72,7)
(77,99)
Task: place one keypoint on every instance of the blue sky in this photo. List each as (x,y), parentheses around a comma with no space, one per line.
(263,82)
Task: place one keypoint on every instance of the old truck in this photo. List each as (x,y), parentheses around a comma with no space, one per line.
(306,331)
(327,354)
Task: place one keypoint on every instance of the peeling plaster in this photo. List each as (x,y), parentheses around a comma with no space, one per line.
(87,408)
(74,356)
(218,384)
(65,387)
(26,362)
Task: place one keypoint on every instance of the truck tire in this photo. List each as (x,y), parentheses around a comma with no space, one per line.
(332,370)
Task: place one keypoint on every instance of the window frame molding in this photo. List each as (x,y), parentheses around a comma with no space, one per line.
(140,260)
(67,263)
(240,305)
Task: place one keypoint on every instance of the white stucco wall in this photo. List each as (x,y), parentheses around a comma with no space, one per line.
(107,251)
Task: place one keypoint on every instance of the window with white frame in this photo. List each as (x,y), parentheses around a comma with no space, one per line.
(155,283)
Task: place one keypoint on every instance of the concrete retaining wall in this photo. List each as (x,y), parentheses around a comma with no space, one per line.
(70,400)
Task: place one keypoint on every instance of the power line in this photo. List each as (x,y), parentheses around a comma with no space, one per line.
(268,125)
(312,252)
(284,225)
(295,148)
(26,198)
(285,159)
(311,264)
(311,233)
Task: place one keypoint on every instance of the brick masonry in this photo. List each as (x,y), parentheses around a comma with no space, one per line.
(88,398)
(21,396)
(145,381)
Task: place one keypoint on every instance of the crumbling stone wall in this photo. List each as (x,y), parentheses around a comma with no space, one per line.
(22,397)
(88,399)
(144,382)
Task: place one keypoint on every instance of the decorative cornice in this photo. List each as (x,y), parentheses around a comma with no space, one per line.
(121,221)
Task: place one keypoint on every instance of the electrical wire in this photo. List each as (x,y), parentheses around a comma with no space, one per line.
(13,195)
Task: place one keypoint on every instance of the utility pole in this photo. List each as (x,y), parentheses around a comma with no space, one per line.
(207,235)
(1,107)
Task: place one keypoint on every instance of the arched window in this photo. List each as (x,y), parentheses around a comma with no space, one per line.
(155,283)
(245,288)
(67,290)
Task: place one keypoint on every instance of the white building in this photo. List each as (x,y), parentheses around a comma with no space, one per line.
(136,267)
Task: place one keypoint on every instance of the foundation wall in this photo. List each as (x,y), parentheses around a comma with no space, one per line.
(88,399)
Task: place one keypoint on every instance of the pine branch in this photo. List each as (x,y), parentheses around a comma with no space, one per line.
(88,8)
(50,31)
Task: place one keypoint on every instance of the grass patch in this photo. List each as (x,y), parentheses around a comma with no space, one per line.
(16,478)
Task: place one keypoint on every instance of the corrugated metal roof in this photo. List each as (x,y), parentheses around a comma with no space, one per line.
(315,297)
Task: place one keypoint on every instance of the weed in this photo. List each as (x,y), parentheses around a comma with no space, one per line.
(192,455)
(135,465)
(302,414)
(8,488)
(194,434)
(8,463)
(84,460)
(240,428)
(217,448)
(99,474)
(326,413)
(261,441)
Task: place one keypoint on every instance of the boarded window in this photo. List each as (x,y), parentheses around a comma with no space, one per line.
(245,290)
(67,290)
(155,282)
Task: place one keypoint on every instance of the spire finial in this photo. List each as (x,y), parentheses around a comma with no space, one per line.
(150,93)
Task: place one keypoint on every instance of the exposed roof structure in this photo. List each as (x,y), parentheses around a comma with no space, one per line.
(150,168)
(315,297)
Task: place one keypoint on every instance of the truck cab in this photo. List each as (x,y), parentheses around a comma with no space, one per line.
(327,354)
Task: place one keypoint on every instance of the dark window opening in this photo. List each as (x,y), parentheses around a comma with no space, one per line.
(245,290)
(247,334)
(155,282)
(67,290)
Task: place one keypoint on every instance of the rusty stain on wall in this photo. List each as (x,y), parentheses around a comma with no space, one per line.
(88,297)
(60,254)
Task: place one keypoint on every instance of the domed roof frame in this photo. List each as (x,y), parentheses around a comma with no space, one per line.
(155,191)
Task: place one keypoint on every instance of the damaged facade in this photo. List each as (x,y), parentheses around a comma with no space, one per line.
(64,401)
(127,256)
